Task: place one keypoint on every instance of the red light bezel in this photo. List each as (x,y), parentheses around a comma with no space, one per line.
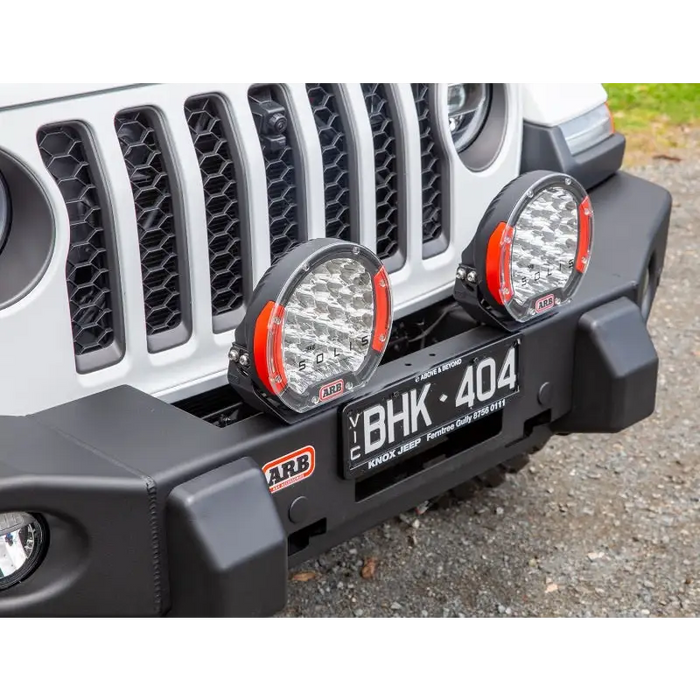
(382,318)
(261,356)
(498,255)
(584,237)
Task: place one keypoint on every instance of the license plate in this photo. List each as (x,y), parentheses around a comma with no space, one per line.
(404,419)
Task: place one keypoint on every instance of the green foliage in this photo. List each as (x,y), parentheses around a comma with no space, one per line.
(637,105)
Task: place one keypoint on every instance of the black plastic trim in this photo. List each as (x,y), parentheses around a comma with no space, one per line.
(160,336)
(284,163)
(5,212)
(211,542)
(485,148)
(381,103)
(615,371)
(435,166)
(208,122)
(101,355)
(545,148)
(30,241)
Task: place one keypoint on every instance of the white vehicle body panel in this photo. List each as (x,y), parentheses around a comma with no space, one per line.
(551,104)
(37,362)
(14,94)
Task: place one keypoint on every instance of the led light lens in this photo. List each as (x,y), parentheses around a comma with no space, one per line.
(322,317)
(328,323)
(467,109)
(530,252)
(22,544)
(544,244)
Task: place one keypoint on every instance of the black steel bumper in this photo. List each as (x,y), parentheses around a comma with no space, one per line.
(152,511)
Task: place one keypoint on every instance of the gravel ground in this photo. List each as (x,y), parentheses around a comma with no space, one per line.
(603,525)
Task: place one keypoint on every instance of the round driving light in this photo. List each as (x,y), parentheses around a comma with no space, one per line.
(468,107)
(530,251)
(316,328)
(22,545)
(5,212)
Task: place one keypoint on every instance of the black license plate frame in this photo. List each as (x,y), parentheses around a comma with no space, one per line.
(448,385)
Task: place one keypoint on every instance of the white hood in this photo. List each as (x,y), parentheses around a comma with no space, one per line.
(17,92)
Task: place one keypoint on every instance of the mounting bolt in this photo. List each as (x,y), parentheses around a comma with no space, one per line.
(233,355)
(244,360)
(461,274)
(472,277)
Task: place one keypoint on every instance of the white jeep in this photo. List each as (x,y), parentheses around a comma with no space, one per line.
(168,449)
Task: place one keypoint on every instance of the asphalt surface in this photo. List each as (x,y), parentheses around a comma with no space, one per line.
(603,525)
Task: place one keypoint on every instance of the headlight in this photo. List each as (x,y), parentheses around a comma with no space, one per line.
(23,541)
(316,328)
(467,109)
(530,250)
(5,212)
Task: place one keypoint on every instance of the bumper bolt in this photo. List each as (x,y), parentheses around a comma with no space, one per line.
(244,360)
(544,395)
(233,355)
(299,510)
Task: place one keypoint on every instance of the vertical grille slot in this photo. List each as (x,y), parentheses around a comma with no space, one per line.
(386,168)
(205,118)
(272,123)
(430,167)
(158,226)
(91,277)
(334,151)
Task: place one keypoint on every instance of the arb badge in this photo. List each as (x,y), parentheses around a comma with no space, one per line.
(290,469)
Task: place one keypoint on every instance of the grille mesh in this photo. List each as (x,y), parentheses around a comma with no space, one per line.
(87,265)
(204,117)
(283,209)
(92,273)
(331,132)
(155,218)
(386,166)
(430,166)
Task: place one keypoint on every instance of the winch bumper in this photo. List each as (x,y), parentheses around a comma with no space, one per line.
(152,511)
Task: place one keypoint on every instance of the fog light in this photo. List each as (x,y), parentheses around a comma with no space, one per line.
(23,541)
(315,330)
(530,251)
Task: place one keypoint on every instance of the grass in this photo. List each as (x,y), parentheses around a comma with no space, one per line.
(656,118)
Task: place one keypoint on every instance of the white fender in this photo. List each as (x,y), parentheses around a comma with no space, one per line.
(550,104)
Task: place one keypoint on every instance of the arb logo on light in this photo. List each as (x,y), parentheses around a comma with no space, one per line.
(544,303)
(315,329)
(332,390)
